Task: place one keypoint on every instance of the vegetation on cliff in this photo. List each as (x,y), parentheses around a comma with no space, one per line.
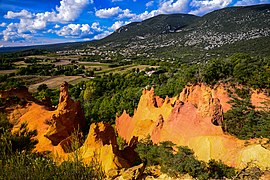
(181,161)
(167,52)
(18,162)
(105,96)
(243,120)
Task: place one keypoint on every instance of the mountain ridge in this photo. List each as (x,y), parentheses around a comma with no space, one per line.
(183,33)
(214,29)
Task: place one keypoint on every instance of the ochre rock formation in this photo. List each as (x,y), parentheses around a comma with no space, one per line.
(193,119)
(55,130)
(67,118)
(260,100)
(100,146)
(53,126)
(148,111)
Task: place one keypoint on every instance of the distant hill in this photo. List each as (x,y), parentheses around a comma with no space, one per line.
(51,47)
(161,24)
(188,37)
(213,30)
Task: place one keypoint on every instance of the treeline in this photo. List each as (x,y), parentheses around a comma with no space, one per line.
(7,59)
(106,96)
(51,70)
(7,82)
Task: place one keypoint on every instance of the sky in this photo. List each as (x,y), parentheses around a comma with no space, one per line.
(36,22)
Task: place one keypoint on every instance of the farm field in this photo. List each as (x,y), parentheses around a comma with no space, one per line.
(7,71)
(36,70)
(55,82)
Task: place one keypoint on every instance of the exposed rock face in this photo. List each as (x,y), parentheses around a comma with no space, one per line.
(192,120)
(260,100)
(144,120)
(55,130)
(53,126)
(205,100)
(67,118)
(100,146)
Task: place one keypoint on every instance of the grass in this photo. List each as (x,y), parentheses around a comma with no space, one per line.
(32,79)
(109,70)
(93,64)
(76,81)
(18,162)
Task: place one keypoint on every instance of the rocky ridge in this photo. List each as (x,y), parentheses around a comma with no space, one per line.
(59,132)
(193,119)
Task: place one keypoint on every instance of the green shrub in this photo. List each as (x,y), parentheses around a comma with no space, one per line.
(35,166)
(181,162)
(121,143)
(243,120)
(18,162)
(18,141)
(218,170)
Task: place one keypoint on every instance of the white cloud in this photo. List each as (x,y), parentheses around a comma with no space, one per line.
(11,33)
(199,7)
(171,6)
(15,15)
(85,28)
(165,7)
(3,24)
(95,26)
(75,30)
(250,2)
(116,25)
(145,15)
(69,10)
(126,14)
(56,26)
(102,35)
(150,3)
(107,13)
(29,23)
(208,5)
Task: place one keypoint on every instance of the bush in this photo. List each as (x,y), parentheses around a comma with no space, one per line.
(218,170)
(18,141)
(18,162)
(243,120)
(36,166)
(181,162)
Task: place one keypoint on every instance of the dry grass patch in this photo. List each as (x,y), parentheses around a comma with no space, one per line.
(55,82)
(7,71)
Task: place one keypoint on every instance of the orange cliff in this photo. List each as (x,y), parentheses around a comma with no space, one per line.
(193,119)
(55,129)
(52,126)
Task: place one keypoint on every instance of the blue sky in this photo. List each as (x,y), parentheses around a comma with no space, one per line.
(32,22)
